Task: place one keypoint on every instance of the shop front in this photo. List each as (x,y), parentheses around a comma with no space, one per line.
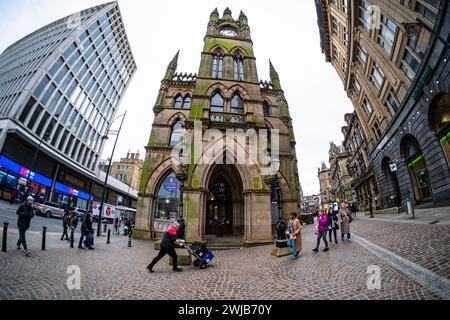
(71,190)
(13,182)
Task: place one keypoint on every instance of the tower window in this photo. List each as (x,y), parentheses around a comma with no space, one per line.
(238,69)
(217,66)
(187,102)
(178,102)
(176,133)
(266,109)
(237,104)
(217,103)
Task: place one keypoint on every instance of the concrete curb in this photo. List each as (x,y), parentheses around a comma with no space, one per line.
(428,279)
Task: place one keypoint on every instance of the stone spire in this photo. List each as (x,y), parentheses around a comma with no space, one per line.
(214,15)
(227,14)
(274,77)
(172,67)
(242,19)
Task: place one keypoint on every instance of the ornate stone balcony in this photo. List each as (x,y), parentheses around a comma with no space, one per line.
(227,117)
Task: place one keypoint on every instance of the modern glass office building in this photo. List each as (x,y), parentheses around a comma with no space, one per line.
(60,88)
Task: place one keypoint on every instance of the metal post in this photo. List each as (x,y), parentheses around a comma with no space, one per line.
(5,233)
(109,235)
(71,237)
(106,178)
(129,238)
(44,234)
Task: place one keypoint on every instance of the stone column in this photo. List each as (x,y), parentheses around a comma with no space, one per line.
(142,226)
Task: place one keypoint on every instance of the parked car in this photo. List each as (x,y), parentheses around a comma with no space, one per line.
(307,218)
(49,209)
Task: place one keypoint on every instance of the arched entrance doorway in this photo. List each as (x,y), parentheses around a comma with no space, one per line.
(439,115)
(224,204)
(393,197)
(415,161)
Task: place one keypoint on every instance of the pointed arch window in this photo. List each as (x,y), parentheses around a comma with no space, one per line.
(237,104)
(178,102)
(266,109)
(187,102)
(238,69)
(168,197)
(217,67)
(217,103)
(175,136)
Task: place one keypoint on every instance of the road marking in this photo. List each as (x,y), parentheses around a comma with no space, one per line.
(428,279)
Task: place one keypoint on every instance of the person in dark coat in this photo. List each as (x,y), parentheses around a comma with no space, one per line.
(25,213)
(66,219)
(333,225)
(86,228)
(168,244)
(73,222)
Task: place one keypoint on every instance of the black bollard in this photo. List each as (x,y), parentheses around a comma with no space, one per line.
(129,239)
(109,235)
(44,234)
(5,232)
(71,237)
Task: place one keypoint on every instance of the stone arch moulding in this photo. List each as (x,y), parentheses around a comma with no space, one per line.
(238,51)
(246,172)
(219,50)
(159,173)
(239,89)
(217,87)
(177,116)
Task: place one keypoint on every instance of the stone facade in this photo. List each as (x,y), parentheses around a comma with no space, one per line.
(394,68)
(225,94)
(325,185)
(128,170)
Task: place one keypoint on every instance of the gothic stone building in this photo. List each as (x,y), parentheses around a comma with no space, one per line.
(219,199)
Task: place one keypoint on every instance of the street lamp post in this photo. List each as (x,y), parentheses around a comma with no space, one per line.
(182,178)
(107,171)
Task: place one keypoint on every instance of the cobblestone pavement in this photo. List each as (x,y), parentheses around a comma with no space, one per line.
(424,244)
(115,271)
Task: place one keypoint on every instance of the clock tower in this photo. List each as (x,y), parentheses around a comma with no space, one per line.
(230,196)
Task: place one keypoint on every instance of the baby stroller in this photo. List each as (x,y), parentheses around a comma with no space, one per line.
(203,256)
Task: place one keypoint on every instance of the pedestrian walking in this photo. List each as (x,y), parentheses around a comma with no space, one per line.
(86,228)
(73,223)
(168,244)
(295,236)
(333,225)
(13,196)
(116,225)
(321,230)
(345,218)
(25,213)
(353,209)
(66,218)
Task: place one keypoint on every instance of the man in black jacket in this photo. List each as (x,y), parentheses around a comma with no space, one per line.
(86,228)
(66,219)
(25,213)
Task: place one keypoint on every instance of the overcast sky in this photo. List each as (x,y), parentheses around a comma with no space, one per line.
(286,33)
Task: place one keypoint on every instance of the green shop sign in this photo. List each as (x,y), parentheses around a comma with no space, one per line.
(412,163)
(423,80)
(445,137)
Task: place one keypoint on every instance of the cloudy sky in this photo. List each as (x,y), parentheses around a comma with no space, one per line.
(287,34)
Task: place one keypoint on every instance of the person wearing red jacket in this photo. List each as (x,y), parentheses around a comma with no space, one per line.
(169,242)
(322,230)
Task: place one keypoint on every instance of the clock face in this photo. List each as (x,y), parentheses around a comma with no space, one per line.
(228,32)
